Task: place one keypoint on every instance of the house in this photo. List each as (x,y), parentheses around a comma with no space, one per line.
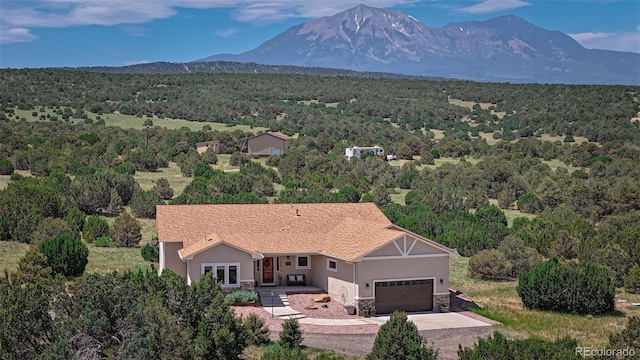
(350,250)
(358,151)
(269,143)
(201,147)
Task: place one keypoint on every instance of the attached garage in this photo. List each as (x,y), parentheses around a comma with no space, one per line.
(405,295)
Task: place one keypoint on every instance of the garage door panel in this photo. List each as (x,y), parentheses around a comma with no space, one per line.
(405,295)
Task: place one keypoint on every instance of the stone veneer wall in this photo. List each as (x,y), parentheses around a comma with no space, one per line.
(247,285)
(440,300)
(366,304)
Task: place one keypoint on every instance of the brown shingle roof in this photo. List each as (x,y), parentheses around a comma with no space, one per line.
(274,134)
(341,230)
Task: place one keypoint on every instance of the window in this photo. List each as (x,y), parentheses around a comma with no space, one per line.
(277,263)
(332,265)
(302,262)
(257,265)
(226,274)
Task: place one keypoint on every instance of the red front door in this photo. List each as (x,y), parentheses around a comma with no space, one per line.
(267,270)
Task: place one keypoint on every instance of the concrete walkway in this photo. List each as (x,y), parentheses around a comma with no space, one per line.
(278,304)
(424,321)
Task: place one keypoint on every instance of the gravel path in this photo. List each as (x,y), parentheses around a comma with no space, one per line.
(334,309)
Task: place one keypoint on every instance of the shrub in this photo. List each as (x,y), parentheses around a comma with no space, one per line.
(616,260)
(489,265)
(273,160)
(291,335)
(470,243)
(103,241)
(143,203)
(65,255)
(499,347)
(163,188)
(75,218)
(530,203)
(209,157)
(567,287)
(126,168)
(94,227)
(16,177)
(51,227)
(628,338)
(150,253)
(632,280)
(126,230)
(491,214)
(399,338)
(239,159)
(522,257)
(240,296)
(6,167)
(277,352)
(255,330)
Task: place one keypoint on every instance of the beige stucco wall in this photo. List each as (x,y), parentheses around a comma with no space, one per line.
(388,250)
(172,259)
(262,145)
(334,282)
(421,247)
(222,254)
(289,269)
(369,271)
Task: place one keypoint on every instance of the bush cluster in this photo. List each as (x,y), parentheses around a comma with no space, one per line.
(241,296)
(567,287)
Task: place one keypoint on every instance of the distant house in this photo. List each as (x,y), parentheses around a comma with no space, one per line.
(269,143)
(352,251)
(204,146)
(358,151)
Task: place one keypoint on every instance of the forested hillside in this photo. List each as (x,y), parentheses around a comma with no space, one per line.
(525,171)
(348,108)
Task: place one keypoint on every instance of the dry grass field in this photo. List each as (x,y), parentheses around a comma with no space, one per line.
(484,106)
(500,301)
(134,122)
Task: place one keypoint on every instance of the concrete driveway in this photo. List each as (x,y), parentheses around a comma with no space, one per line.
(436,321)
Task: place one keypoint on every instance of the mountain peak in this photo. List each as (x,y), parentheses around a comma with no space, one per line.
(505,48)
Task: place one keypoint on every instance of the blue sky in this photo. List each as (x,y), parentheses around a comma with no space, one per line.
(55,33)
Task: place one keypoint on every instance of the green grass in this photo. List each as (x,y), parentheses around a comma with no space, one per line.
(132,121)
(101,260)
(106,260)
(397,195)
(500,301)
(177,181)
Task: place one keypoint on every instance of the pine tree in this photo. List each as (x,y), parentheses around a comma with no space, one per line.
(291,335)
(399,339)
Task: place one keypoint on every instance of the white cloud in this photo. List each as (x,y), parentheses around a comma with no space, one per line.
(23,15)
(135,62)
(15,35)
(226,33)
(619,41)
(490,6)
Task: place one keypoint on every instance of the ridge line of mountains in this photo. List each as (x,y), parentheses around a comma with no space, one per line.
(374,42)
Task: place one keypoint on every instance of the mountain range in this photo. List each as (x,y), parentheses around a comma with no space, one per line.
(503,49)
